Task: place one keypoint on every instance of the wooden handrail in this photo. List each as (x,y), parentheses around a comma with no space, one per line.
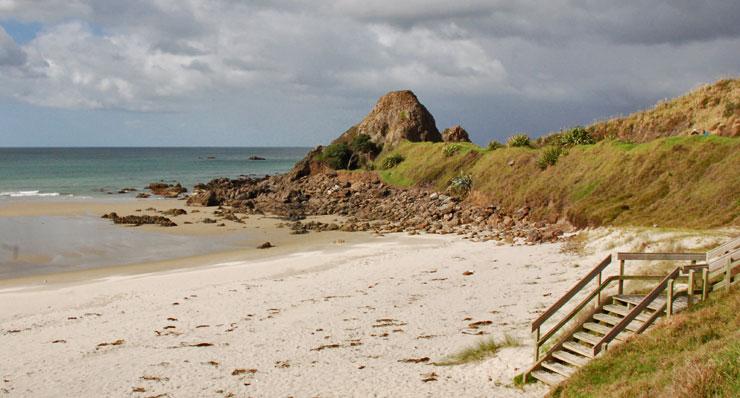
(619,327)
(588,298)
(724,248)
(663,256)
(572,292)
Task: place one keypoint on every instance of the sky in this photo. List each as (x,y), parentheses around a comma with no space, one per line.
(299,73)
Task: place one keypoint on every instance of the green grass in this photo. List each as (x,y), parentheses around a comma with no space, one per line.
(682,182)
(693,354)
(482,350)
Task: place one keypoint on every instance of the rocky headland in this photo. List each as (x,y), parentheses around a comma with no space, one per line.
(314,188)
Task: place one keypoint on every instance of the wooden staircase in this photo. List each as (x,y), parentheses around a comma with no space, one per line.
(601,320)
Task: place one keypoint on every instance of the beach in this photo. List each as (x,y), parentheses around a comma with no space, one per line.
(363,319)
(60,240)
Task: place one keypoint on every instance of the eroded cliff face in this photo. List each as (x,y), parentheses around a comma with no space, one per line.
(396,116)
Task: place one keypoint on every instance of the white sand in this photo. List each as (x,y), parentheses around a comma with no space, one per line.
(273,315)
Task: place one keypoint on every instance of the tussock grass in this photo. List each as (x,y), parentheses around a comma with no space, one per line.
(712,107)
(693,354)
(680,182)
(482,350)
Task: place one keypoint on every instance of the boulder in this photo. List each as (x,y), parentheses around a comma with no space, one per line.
(166,190)
(306,166)
(455,134)
(203,198)
(396,116)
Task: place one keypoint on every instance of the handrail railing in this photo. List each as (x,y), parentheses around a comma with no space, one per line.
(572,292)
(667,282)
(663,256)
(724,248)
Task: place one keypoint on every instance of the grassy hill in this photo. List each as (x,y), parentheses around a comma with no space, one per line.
(685,181)
(715,108)
(693,354)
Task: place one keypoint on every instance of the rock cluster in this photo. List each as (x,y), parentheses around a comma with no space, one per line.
(455,134)
(166,190)
(140,220)
(367,204)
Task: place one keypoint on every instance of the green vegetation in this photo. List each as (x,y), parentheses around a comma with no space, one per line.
(518,140)
(576,136)
(683,182)
(357,154)
(337,156)
(392,161)
(549,156)
(693,354)
(451,149)
(493,145)
(461,185)
(484,349)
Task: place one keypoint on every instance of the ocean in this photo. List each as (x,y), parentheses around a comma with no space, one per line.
(102,172)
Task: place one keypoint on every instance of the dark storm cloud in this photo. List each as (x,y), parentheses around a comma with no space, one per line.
(496,66)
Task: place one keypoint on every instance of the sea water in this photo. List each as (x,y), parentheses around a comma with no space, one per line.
(100,172)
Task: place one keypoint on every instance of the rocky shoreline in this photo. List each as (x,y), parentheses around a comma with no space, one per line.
(368,204)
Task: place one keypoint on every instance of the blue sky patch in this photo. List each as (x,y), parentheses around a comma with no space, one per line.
(21,32)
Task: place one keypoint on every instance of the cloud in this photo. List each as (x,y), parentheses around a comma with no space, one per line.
(10,53)
(582,58)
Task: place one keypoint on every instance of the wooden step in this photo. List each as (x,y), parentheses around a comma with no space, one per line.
(546,377)
(613,320)
(598,328)
(559,368)
(603,329)
(587,337)
(578,349)
(635,299)
(570,358)
(623,310)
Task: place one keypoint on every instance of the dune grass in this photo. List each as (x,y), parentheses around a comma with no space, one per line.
(482,350)
(693,354)
(682,182)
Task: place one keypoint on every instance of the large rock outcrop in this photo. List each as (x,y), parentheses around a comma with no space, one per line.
(455,134)
(396,116)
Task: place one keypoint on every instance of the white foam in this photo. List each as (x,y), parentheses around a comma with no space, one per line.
(23,194)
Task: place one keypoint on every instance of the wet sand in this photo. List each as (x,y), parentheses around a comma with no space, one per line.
(81,245)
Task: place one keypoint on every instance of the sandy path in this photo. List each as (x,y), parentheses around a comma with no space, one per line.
(329,324)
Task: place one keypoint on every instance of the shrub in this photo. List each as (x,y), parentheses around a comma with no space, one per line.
(493,145)
(461,184)
(392,161)
(336,155)
(576,136)
(518,140)
(549,156)
(451,149)
(362,144)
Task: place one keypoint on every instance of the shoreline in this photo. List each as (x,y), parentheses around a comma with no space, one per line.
(233,241)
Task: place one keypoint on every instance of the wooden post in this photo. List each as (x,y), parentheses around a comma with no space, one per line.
(690,295)
(537,345)
(598,295)
(669,299)
(704,283)
(620,289)
(728,273)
